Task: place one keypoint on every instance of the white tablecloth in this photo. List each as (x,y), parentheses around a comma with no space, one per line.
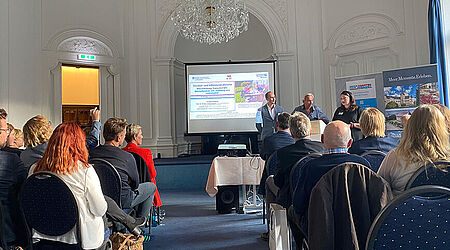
(234,171)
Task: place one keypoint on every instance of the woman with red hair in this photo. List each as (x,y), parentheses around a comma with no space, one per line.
(67,156)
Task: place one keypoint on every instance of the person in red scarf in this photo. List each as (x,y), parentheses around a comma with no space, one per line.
(133,138)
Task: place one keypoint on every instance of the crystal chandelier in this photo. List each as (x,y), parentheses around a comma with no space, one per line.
(211,21)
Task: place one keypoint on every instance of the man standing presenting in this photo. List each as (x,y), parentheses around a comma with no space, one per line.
(266,116)
(312,111)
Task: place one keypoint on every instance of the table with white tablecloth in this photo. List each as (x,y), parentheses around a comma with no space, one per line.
(234,171)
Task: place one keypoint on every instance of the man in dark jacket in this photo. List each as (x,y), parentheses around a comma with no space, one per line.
(132,193)
(336,140)
(280,139)
(300,128)
(271,144)
(12,175)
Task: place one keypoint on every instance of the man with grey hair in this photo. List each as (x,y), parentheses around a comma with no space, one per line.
(336,139)
(312,111)
(300,128)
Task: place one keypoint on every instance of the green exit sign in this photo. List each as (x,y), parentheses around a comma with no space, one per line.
(86,57)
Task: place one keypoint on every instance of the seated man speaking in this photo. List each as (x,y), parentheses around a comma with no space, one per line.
(132,193)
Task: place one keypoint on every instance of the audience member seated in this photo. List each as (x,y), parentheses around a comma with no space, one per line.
(15,141)
(336,140)
(36,133)
(12,175)
(281,138)
(133,138)
(133,193)
(300,128)
(425,139)
(372,123)
(67,157)
(38,130)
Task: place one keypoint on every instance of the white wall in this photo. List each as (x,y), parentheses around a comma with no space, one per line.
(313,41)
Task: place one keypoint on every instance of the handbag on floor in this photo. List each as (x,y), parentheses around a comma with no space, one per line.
(279,232)
(122,241)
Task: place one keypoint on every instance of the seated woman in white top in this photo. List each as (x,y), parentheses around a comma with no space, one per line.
(424,140)
(67,156)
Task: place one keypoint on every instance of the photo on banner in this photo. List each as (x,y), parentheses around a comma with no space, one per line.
(405,90)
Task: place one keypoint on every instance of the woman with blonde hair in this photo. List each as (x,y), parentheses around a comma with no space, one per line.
(424,140)
(372,123)
(36,133)
(134,137)
(14,141)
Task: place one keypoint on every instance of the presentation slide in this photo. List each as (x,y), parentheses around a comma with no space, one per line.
(225,98)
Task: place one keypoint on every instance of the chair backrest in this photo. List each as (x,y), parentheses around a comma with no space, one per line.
(295,171)
(412,221)
(269,169)
(109,178)
(144,175)
(48,204)
(436,173)
(271,164)
(374,157)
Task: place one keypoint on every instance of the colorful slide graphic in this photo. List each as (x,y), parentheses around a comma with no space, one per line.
(223,96)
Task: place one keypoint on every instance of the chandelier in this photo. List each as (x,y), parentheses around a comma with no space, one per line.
(211,21)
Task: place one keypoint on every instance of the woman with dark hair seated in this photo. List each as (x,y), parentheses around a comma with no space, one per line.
(424,140)
(372,123)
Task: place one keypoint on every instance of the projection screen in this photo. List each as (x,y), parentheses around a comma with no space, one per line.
(224,97)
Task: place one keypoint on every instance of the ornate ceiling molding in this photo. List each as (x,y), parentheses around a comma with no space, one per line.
(362,32)
(364,28)
(84,45)
(165,8)
(280,8)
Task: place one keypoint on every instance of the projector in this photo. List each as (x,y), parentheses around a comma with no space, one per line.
(234,150)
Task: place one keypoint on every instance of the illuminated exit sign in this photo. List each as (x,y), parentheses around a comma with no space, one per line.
(86,57)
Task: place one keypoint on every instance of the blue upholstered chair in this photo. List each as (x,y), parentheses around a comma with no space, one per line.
(412,221)
(437,173)
(374,157)
(144,176)
(109,179)
(50,208)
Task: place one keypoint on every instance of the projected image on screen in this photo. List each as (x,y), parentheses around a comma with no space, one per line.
(225,97)
(222,96)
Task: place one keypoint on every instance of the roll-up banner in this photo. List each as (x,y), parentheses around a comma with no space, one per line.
(406,89)
(365,89)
